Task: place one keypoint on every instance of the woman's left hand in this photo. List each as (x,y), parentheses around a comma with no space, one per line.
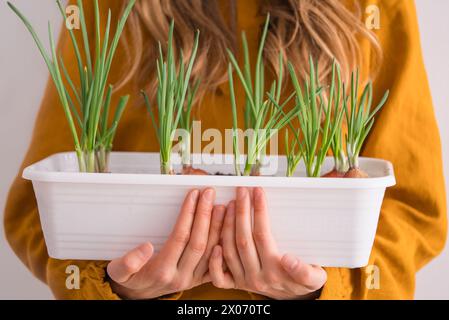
(251,258)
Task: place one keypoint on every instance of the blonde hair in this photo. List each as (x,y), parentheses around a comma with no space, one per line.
(325,29)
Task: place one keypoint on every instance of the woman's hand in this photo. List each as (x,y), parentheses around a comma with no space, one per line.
(252,259)
(182,262)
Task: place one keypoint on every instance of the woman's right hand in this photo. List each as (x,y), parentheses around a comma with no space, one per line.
(182,262)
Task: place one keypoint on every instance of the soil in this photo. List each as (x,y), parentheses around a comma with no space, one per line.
(190,171)
(223,174)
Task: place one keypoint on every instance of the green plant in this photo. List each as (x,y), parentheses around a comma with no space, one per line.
(185,124)
(318,124)
(173,88)
(293,152)
(91,108)
(360,120)
(338,152)
(264,117)
(337,147)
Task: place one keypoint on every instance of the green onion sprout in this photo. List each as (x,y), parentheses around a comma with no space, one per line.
(172,92)
(264,117)
(90,107)
(318,124)
(360,120)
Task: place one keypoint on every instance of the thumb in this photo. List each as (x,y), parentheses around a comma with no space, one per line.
(122,269)
(312,277)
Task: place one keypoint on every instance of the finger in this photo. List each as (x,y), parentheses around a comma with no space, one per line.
(197,244)
(219,278)
(176,243)
(230,253)
(311,277)
(206,278)
(122,269)
(214,239)
(243,232)
(265,243)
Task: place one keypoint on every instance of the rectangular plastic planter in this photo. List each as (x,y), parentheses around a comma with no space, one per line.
(328,222)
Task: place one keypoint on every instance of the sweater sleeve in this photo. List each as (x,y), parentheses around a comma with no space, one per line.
(412,227)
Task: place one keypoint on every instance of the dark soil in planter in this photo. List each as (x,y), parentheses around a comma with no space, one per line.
(223,174)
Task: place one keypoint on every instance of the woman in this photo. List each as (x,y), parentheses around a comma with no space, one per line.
(412,226)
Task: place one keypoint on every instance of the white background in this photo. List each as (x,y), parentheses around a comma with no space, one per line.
(23,76)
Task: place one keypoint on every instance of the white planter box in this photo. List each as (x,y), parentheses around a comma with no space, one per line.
(328,222)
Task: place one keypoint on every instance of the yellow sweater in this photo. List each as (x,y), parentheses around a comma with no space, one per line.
(412,227)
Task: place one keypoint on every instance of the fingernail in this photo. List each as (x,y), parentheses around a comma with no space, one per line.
(241,193)
(208,194)
(258,193)
(146,250)
(231,208)
(195,194)
(290,262)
